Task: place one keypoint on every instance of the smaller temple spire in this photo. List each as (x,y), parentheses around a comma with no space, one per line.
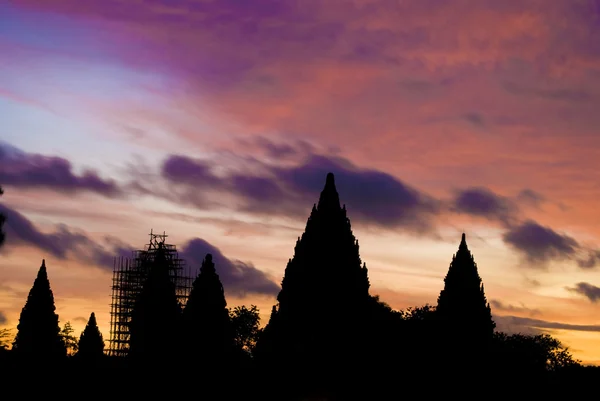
(330,180)
(42,272)
(329,196)
(463,243)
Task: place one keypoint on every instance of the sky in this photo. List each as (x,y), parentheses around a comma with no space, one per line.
(217,122)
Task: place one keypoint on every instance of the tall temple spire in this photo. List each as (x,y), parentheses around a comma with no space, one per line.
(325,272)
(462,303)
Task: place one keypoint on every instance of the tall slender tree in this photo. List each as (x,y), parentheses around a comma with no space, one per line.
(207,324)
(91,343)
(38,332)
(71,343)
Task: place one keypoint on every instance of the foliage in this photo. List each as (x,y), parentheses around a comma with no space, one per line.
(69,339)
(419,313)
(5,338)
(246,326)
(533,352)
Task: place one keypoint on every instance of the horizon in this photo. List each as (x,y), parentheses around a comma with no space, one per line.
(217,124)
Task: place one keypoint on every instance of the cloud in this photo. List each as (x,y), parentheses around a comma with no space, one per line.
(539,244)
(500,306)
(592,260)
(62,242)
(238,278)
(28,170)
(372,196)
(589,291)
(515,324)
(80,319)
(482,202)
(558,94)
(277,150)
(531,198)
(3,318)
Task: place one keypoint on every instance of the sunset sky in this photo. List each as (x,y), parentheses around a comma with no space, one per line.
(217,121)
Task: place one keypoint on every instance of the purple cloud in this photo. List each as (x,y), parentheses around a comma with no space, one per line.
(184,170)
(540,244)
(27,170)
(3,318)
(531,197)
(501,306)
(62,242)
(371,196)
(238,278)
(526,325)
(484,203)
(588,290)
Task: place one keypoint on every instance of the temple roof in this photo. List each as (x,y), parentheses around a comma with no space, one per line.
(329,196)
(463,243)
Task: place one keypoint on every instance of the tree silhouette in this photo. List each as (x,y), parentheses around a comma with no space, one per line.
(521,354)
(206,320)
(69,339)
(38,332)
(156,308)
(246,327)
(2,221)
(91,343)
(5,338)
(324,296)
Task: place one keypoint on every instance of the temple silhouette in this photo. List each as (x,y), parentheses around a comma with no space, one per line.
(130,275)
(325,272)
(327,336)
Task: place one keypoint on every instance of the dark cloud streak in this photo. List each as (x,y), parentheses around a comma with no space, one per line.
(482,202)
(588,290)
(500,306)
(517,324)
(238,278)
(540,244)
(27,170)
